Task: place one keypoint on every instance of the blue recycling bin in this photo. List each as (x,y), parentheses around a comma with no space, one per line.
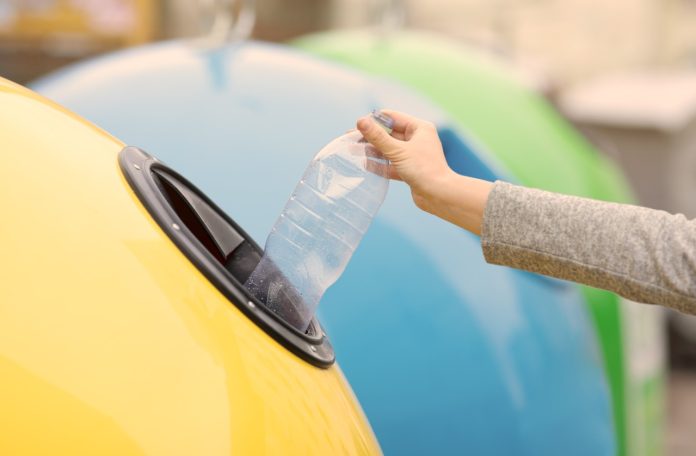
(447,354)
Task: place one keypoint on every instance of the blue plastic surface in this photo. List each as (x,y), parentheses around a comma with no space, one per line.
(447,354)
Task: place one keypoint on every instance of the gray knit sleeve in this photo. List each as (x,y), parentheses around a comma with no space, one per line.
(643,254)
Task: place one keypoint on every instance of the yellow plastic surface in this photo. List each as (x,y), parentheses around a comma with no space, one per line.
(111,341)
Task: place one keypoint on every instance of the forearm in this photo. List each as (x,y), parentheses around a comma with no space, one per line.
(458,199)
(642,254)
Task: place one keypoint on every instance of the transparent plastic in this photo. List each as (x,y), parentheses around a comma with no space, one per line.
(320,227)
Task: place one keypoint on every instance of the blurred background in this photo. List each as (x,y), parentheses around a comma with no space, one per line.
(564,41)
(623,72)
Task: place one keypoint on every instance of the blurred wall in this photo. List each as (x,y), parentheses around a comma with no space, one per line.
(570,39)
(565,40)
(37,36)
(276,20)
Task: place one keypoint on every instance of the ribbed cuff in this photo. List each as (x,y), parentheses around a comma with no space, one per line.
(493,216)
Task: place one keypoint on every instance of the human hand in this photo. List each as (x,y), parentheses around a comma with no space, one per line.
(415,152)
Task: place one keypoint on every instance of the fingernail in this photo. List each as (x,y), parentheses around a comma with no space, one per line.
(364,124)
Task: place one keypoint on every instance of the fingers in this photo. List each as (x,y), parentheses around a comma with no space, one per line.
(377,136)
(394,134)
(377,165)
(398,135)
(394,174)
(403,121)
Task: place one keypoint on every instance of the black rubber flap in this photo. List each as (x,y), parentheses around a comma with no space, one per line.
(224,254)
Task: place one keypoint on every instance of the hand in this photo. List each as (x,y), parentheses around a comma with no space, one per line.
(415,152)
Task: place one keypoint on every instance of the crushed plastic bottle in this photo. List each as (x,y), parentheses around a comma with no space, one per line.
(320,227)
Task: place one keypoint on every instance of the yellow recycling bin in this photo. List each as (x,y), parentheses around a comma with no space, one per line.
(114,337)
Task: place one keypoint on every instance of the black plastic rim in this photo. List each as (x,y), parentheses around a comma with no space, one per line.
(138,168)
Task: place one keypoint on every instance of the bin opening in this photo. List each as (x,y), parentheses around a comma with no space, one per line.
(227,245)
(217,246)
(221,240)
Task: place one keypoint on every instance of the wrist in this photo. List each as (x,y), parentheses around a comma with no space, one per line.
(460,200)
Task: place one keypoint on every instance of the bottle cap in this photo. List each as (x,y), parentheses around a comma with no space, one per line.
(383,120)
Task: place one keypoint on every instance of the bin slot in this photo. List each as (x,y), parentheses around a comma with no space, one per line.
(207,225)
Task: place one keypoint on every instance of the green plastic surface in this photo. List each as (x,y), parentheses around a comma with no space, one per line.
(519,127)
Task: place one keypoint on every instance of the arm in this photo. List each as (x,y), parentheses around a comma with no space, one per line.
(642,254)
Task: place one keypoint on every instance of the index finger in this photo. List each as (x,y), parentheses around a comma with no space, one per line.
(402,120)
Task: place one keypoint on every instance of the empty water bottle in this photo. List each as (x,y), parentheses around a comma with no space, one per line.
(321,225)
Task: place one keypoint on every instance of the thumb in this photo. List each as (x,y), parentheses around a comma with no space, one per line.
(376,135)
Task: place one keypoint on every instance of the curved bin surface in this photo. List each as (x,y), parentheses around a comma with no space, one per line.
(111,341)
(447,354)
